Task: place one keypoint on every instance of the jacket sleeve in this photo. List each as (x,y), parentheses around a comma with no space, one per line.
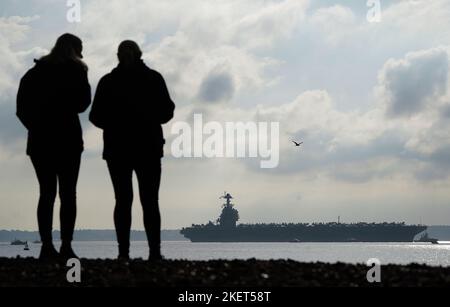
(24,105)
(167,106)
(98,115)
(83,92)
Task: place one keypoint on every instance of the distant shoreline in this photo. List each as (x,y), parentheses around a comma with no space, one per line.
(440,232)
(89,235)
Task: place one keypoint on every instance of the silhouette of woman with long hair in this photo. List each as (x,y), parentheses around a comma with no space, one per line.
(50,97)
(130,105)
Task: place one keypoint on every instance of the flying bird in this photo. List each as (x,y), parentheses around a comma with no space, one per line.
(297,144)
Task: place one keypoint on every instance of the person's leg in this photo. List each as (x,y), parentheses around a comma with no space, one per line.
(122,180)
(46,175)
(149,178)
(68,171)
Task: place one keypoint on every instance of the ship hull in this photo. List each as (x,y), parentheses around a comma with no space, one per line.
(337,233)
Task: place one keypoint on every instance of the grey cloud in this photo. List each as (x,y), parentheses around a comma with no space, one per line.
(441,157)
(345,162)
(435,166)
(352,163)
(445,112)
(431,172)
(217,87)
(353,175)
(409,84)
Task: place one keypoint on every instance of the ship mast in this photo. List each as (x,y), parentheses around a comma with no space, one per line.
(228,197)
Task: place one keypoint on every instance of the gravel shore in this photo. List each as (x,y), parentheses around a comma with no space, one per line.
(219,273)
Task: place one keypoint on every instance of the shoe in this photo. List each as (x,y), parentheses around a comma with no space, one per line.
(123,258)
(156,257)
(48,253)
(66,252)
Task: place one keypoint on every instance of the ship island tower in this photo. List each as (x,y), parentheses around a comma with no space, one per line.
(229,216)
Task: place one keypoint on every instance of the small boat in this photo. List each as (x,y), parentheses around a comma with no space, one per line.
(427,239)
(26,248)
(18,242)
(37,242)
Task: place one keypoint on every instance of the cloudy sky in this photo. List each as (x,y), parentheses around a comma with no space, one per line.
(370,100)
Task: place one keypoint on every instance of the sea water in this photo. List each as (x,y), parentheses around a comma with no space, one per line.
(394,253)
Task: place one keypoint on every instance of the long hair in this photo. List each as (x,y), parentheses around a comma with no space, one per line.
(68,47)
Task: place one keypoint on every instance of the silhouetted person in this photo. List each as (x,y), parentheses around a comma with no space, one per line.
(130,105)
(50,97)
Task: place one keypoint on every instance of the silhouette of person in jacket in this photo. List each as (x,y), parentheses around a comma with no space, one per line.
(50,97)
(130,105)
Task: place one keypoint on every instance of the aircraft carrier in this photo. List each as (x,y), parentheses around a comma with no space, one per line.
(226,229)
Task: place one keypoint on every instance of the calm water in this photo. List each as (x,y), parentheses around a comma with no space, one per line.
(398,253)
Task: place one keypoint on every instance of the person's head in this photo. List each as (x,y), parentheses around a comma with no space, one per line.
(68,47)
(129,53)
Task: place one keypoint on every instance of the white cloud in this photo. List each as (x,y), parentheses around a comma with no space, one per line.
(186,65)
(415,19)
(269,24)
(12,31)
(362,145)
(335,22)
(202,37)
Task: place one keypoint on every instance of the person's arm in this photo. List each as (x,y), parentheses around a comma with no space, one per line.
(98,115)
(23,111)
(83,92)
(166,105)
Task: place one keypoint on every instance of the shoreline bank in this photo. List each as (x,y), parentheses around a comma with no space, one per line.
(28,272)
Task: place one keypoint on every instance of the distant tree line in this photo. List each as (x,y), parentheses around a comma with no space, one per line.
(87,235)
